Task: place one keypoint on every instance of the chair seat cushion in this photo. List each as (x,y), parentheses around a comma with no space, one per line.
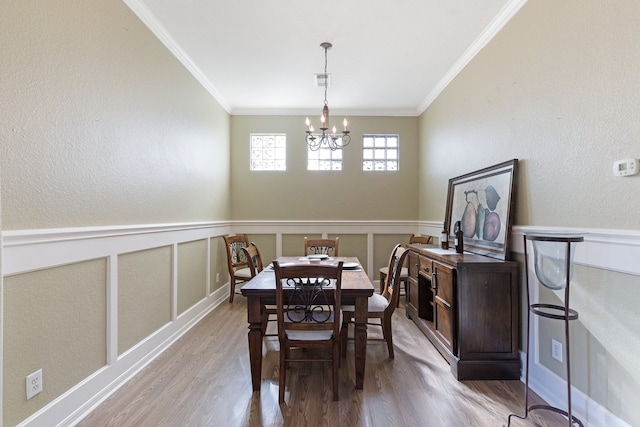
(243,273)
(403,273)
(323,335)
(377,304)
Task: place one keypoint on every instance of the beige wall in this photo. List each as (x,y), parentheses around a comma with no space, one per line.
(218,262)
(558,89)
(101,126)
(323,195)
(144,295)
(192,271)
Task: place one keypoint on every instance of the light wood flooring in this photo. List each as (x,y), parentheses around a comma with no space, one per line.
(204,380)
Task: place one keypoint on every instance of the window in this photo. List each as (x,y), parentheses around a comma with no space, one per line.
(324,159)
(268,152)
(380,152)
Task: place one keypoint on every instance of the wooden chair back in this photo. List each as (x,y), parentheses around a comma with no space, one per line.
(308,301)
(254,260)
(425,240)
(321,246)
(234,245)
(312,300)
(236,260)
(392,286)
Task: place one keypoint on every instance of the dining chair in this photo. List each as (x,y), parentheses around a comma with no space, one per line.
(254,261)
(380,306)
(321,246)
(239,271)
(308,315)
(404,274)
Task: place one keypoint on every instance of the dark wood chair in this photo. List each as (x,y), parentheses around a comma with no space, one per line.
(425,240)
(236,261)
(254,260)
(321,246)
(381,306)
(308,300)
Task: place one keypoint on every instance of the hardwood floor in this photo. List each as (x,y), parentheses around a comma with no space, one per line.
(204,380)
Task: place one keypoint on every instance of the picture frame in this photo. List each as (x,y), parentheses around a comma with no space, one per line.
(484,202)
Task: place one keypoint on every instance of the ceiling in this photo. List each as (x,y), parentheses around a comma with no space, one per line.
(389,57)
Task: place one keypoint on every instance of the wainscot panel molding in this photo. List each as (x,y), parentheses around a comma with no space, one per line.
(553,389)
(325,227)
(369,228)
(614,250)
(30,250)
(25,251)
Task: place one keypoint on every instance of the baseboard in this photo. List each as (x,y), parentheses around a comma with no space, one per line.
(553,390)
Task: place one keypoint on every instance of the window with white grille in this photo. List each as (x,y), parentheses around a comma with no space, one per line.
(268,152)
(324,159)
(380,152)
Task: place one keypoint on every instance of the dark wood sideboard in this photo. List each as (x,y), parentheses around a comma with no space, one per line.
(467,305)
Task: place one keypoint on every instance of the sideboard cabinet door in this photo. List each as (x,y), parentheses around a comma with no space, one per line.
(468,307)
(444,288)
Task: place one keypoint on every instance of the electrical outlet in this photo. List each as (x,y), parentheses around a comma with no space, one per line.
(556,350)
(217,277)
(34,383)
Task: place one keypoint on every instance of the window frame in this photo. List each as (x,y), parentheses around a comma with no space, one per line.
(274,159)
(330,158)
(385,150)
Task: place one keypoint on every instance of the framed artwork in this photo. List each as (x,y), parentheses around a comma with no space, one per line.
(484,203)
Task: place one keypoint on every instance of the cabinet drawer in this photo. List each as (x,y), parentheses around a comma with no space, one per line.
(426,267)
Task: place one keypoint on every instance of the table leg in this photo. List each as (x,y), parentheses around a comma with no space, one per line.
(360,339)
(255,341)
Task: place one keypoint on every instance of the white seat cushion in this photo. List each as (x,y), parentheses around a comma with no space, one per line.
(312,335)
(243,273)
(377,304)
(403,273)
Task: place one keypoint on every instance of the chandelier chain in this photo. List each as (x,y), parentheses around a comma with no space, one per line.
(326,76)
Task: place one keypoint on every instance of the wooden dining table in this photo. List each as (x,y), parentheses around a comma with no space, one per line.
(260,291)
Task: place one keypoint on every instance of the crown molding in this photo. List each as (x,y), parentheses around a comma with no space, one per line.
(400,112)
(148,19)
(494,27)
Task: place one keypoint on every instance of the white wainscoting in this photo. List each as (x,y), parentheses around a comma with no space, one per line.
(31,250)
(370,228)
(615,250)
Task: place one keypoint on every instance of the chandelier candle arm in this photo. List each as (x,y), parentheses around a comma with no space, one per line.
(332,140)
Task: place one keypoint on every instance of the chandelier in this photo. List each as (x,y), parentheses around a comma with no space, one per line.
(332,140)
